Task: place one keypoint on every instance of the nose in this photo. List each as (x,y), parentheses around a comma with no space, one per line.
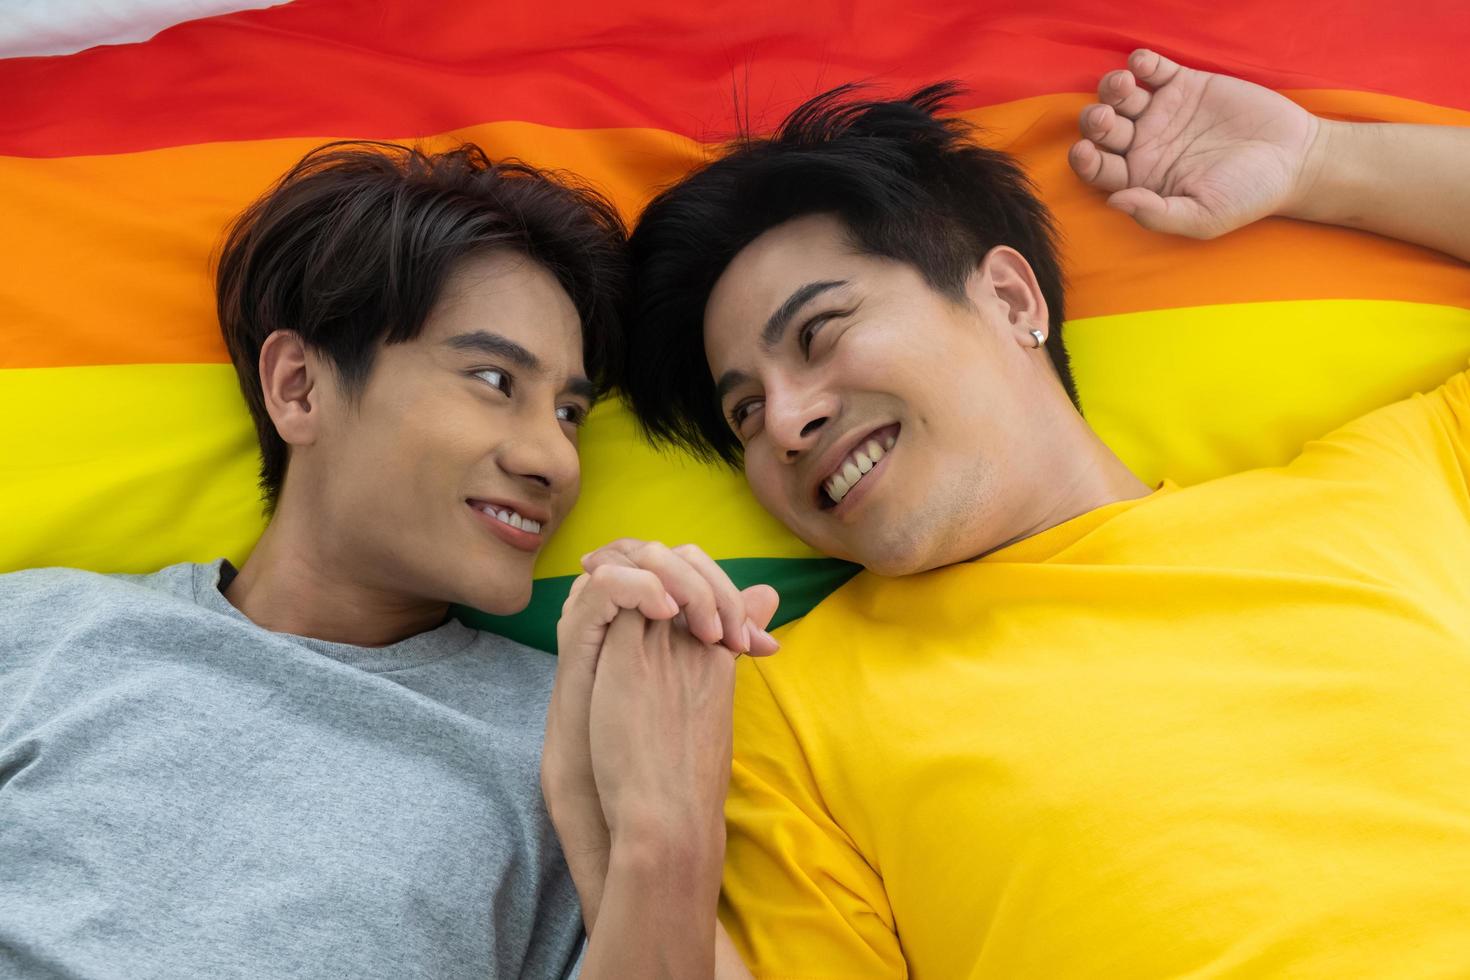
(795,416)
(540,454)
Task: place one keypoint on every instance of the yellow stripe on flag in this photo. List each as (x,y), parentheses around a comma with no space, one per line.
(1196,393)
(126,469)
(132,467)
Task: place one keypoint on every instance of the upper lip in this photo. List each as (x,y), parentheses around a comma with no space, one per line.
(536,514)
(827,466)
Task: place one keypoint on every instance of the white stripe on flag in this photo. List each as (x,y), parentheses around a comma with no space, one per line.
(44,27)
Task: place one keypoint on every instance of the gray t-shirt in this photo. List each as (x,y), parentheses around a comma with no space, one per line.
(186,794)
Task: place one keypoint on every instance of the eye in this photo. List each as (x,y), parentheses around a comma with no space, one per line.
(742,411)
(810,329)
(574,414)
(497,379)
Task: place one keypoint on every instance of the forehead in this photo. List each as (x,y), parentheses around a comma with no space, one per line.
(509,294)
(764,274)
(781,259)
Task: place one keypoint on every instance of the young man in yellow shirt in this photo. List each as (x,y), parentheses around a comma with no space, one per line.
(1065,724)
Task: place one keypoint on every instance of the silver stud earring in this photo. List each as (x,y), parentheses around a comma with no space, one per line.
(1039,337)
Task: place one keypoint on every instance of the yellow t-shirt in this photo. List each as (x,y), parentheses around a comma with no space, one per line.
(1219,731)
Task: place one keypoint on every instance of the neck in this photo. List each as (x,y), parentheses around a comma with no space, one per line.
(1090,476)
(295,584)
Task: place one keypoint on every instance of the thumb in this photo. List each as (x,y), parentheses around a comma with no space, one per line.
(1170,215)
(761,602)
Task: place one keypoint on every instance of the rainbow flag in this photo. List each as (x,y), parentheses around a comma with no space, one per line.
(128,446)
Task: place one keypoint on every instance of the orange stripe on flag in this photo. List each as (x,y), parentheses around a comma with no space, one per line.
(107,257)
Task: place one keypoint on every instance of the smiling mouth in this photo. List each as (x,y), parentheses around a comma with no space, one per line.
(857,465)
(508,517)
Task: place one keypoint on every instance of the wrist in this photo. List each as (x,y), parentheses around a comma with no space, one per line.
(657,912)
(651,842)
(1327,182)
(678,880)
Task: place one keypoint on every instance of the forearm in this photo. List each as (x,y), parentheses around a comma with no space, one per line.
(656,917)
(1406,182)
(570,791)
(587,862)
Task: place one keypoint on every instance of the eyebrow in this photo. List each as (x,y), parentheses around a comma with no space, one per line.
(728,381)
(495,345)
(484,342)
(776,326)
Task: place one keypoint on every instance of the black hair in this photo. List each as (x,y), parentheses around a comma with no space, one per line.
(352,247)
(906,184)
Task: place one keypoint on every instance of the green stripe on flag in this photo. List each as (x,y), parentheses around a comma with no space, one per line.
(802,582)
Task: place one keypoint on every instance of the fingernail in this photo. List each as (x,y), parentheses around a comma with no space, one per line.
(745,638)
(672,604)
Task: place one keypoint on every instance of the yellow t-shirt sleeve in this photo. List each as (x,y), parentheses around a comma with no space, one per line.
(799,899)
(1437,437)
(1449,408)
(1426,437)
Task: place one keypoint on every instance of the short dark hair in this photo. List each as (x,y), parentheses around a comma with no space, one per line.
(352,247)
(907,184)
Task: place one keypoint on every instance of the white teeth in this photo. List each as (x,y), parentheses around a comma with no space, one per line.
(863,459)
(514,520)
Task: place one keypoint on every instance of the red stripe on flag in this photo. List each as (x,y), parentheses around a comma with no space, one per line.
(376,68)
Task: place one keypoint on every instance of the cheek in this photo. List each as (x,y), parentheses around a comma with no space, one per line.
(766,485)
(567,499)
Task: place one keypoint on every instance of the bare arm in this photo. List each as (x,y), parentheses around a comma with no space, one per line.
(637,753)
(1406,182)
(657,909)
(1193,153)
(657,920)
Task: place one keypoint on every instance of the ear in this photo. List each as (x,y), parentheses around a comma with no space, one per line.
(289,379)
(1004,281)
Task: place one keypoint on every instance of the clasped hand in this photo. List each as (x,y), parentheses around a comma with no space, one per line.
(638,736)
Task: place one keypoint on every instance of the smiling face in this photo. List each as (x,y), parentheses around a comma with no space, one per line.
(882,421)
(478,415)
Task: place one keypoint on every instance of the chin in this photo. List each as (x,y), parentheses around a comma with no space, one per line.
(506,600)
(894,568)
(894,558)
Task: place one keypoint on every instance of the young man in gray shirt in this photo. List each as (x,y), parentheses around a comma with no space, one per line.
(305,767)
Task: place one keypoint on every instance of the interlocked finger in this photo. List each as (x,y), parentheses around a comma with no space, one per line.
(729,602)
(689,586)
(716,610)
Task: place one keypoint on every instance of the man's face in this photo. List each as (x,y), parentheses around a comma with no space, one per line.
(476,416)
(883,422)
